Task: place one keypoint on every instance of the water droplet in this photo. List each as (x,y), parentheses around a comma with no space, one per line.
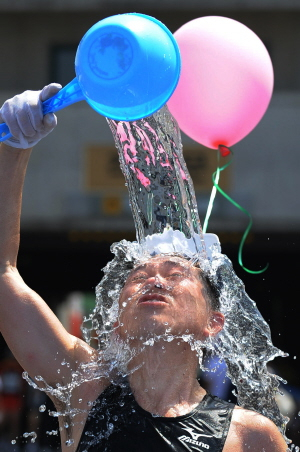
(69,442)
(42,408)
(13,441)
(124,304)
(58,371)
(110,427)
(33,434)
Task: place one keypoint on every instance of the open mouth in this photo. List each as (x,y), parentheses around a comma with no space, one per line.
(152,298)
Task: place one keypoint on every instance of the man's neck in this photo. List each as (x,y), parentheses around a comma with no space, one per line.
(165,382)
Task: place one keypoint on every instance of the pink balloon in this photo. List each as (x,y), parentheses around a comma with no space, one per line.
(226,82)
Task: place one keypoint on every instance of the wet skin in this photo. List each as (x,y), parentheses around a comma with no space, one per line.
(166,294)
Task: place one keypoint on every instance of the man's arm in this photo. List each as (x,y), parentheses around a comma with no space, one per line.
(250,431)
(31,330)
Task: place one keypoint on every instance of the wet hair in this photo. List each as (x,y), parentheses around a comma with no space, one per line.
(211,292)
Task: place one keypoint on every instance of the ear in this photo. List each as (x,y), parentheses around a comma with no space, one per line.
(216,323)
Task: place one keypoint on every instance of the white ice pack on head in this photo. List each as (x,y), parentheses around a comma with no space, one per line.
(212,244)
(171,241)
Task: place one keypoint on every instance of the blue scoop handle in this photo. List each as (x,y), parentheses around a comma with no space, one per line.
(68,95)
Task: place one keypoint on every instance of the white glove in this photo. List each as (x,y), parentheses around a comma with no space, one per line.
(24,116)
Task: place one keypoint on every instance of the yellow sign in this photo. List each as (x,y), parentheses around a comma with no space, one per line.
(202,163)
(112,205)
(102,169)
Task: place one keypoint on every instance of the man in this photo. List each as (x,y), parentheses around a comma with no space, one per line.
(164,303)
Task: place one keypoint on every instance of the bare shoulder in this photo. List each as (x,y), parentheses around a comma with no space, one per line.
(250,431)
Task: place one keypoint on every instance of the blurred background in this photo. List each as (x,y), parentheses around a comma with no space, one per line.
(76,204)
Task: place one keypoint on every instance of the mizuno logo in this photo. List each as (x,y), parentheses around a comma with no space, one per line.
(193,434)
(194,438)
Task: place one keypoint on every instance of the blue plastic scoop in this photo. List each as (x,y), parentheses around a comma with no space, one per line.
(127,67)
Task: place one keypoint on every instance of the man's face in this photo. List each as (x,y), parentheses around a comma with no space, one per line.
(164,295)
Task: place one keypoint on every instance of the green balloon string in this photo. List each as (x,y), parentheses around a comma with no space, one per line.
(224,151)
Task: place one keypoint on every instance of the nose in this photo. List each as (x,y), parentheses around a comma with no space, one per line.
(158,282)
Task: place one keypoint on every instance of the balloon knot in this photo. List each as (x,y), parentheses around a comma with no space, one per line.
(224,150)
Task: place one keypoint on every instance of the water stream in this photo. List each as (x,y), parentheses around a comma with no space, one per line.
(160,188)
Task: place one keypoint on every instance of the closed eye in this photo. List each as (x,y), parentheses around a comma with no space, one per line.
(140,277)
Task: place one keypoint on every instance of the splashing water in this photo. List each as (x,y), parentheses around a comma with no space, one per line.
(245,342)
(162,200)
(33,436)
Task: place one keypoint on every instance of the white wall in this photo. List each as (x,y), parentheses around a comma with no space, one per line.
(268,163)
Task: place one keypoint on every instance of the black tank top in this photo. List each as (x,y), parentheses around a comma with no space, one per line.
(116,423)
